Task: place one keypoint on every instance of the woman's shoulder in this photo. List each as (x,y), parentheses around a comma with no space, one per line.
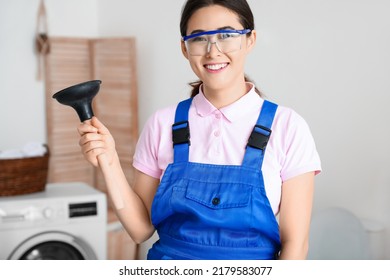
(162,116)
(286,116)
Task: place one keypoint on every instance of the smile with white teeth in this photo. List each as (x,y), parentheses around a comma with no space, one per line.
(215,67)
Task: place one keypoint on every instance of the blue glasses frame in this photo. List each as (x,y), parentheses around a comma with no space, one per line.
(218,31)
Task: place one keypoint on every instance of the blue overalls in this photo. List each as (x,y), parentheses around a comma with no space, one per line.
(206,211)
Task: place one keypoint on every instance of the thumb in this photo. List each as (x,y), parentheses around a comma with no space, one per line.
(100,126)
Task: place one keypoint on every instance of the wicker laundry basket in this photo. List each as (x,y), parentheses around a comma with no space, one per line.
(23,176)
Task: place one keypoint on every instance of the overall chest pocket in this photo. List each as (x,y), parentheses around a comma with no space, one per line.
(218,195)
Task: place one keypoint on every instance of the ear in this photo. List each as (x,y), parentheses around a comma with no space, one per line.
(251,40)
(184,49)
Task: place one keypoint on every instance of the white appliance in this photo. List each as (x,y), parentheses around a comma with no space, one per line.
(66,221)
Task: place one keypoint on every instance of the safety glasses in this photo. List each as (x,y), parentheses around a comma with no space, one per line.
(226,41)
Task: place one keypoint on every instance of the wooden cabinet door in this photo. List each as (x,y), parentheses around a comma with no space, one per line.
(68,63)
(113,62)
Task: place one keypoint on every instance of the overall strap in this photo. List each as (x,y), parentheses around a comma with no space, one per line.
(255,150)
(181,132)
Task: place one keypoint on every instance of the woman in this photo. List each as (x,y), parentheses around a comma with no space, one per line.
(213,172)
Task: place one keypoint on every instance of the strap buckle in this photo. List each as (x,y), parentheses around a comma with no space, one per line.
(181,133)
(259,137)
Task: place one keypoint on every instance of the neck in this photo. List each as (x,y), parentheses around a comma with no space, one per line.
(225,96)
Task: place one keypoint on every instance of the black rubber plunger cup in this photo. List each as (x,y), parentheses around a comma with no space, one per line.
(80,97)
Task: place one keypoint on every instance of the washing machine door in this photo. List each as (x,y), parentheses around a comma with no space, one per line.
(53,246)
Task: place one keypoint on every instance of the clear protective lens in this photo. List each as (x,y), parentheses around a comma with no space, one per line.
(225,42)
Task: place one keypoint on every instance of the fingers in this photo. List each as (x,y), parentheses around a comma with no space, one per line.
(95,140)
(99,125)
(93,134)
(92,145)
(86,127)
(93,125)
(90,137)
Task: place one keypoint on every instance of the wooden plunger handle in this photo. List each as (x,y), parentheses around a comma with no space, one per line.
(112,187)
(110,182)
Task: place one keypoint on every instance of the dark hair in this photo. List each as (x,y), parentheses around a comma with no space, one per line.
(239,7)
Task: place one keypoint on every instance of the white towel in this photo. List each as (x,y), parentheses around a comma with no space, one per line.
(31,149)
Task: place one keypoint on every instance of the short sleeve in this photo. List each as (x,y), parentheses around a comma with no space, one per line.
(146,151)
(300,150)
(154,150)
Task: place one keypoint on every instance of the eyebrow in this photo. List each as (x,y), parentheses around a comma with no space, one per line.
(220,28)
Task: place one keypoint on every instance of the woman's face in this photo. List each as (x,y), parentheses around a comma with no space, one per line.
(218,70)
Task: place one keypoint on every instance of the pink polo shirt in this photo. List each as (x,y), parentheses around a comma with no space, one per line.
(219,136)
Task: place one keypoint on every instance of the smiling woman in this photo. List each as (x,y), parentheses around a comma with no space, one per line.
(213,171)
(240,10)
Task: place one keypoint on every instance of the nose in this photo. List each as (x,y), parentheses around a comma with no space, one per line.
(211,50)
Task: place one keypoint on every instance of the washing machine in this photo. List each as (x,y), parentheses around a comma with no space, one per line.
(67,221)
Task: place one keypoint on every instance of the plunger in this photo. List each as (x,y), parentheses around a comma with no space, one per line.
(80,97)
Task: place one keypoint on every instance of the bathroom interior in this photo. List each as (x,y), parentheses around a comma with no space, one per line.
(328,60)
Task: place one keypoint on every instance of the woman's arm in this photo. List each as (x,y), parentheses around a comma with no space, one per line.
(132,205)
(135,215)
(295,215)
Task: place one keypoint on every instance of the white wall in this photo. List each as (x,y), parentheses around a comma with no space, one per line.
(327,59)
(22,104)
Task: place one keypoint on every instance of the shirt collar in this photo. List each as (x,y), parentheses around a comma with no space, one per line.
(247,104)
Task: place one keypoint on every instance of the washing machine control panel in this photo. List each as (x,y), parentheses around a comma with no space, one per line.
(42,213)
(82,209)
(32,214)
(48,213)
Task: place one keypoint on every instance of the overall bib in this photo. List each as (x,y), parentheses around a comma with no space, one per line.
(207,211)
